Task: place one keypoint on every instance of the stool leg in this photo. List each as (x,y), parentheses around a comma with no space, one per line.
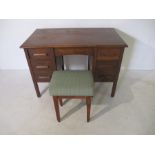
(88,103)
(56,105)
(60,101)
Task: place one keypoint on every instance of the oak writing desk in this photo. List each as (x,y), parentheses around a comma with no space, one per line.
(104,44)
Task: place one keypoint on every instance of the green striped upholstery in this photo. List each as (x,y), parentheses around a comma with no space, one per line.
(71,83)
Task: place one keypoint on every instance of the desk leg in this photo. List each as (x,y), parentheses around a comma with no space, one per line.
(117,75)
(37,89)
(113,89)
(62,62)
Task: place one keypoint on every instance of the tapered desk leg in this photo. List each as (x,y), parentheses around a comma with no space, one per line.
(88,103)
(56,105)
(37,89)
(62,62)
(113,89)
(117,74)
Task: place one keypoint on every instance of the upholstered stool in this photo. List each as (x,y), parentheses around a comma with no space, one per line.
(71,84)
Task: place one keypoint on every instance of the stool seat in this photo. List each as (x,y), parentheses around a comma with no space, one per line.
(71,83)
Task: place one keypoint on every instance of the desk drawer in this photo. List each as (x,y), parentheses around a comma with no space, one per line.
(43,76)
(105,74)
(104,64)
(73,51)
(42,70)
(104,78)
(105,70)
(108,54)
(42,66)
(40,54)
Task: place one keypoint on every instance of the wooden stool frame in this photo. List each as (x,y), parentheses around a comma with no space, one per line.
(58,100)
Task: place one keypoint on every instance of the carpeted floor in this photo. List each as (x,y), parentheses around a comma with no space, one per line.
(131,111)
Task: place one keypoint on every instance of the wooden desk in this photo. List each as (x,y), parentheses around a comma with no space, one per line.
(105,45)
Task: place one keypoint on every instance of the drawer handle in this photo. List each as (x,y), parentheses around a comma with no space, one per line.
(44,77)
(39,54)
(41,67)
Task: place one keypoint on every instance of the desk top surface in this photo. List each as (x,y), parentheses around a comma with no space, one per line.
(74,37)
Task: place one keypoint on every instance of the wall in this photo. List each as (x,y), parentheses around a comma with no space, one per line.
(139,35)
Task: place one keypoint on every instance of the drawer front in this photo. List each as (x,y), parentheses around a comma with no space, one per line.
(101,77)
(43,76)
(106,65)
(105,70)
(42,70)
(40,54)
(73,51)
(108,54)
(105,74)
(42,66)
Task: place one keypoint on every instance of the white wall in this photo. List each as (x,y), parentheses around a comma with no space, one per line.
(139,35)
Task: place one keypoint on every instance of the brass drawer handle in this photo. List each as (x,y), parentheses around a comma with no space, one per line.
(44,77)
(41,67)
(39,54)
